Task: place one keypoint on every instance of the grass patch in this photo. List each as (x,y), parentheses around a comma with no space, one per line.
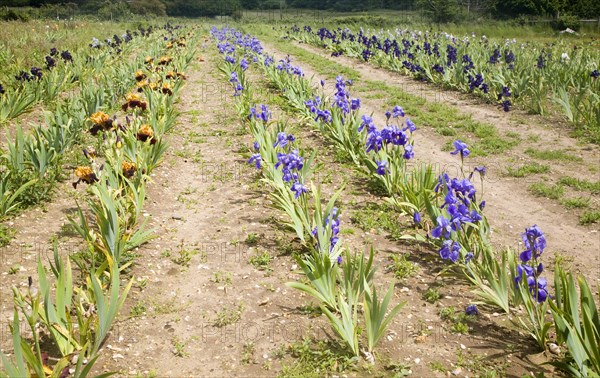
(458,319)
(379,218)
(401,267)
(261,261)
(481,365)
(581,185)
(315,359)
(588,217)
(6,235)
(527,169)
(251,239)
(229,316)
(541,189)
(432,295)
(576,203)
(222,277)
(552,155)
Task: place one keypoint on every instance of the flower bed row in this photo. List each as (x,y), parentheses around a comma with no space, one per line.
(62,70)
(538,77)
(341,282)
(78,315)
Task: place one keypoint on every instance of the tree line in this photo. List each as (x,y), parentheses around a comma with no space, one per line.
(438,10)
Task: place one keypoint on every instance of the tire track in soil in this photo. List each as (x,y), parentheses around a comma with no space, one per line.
(509,207)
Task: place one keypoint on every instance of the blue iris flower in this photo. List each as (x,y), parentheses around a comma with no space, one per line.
(534,241)
(460,147)
(450,250)
(366,122)
(443,228)
(408,152)
(283,139)
(298,189)
(256,159)
(410,125)
(397,111)
(382,168)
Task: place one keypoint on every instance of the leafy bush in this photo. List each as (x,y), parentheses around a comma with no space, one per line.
(13,15)
(565,21)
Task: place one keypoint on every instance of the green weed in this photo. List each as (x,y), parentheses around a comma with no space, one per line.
(541,189)
(527,169)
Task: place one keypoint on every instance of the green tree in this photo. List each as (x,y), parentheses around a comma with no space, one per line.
(439,11)
(148,7)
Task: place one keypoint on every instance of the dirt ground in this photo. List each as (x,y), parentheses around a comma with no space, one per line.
(200,308)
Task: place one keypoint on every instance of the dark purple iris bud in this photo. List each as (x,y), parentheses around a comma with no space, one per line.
(50,62)
(472,310)
(468,257)
(540,62)
(495,58)
(37,72)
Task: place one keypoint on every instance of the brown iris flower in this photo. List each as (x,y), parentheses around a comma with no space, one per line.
(153,86)
(169,45)
(85,174)
(149,59)
(134,101)
(166,89)
(90,153)
(146,133)
(128,169)
(141,85)
(174,75)
(139,75)
(165,60)
(100,121)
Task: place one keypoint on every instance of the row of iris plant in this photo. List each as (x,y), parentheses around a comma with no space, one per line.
(61,71)
(538,77)
(340,281)
(32,163)
(452,208)
(78,315)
